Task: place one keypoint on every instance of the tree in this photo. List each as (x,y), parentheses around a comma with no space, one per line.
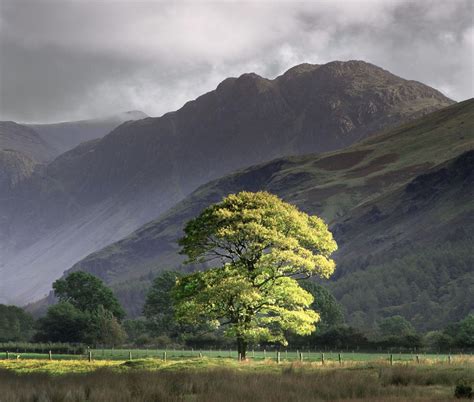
(395,326)
(263,245)
(87,292)
(105,329)
(464,337)
(63,323)
(438,340)
(87,312)
(158,308)
(15,324)
(325,304)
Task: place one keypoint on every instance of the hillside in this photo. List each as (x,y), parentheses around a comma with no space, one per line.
(67,135)
(23,139)
(399,204)
(102,190)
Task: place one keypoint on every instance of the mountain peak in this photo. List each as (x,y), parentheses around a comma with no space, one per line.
(300,69)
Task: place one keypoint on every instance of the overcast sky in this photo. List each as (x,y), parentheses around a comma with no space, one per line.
(73,59)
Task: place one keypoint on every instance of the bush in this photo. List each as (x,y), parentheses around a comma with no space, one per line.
(463,390)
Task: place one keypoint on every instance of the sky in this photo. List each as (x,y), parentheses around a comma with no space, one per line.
(76,59)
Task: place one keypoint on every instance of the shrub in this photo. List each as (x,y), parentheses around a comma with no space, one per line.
(463,390)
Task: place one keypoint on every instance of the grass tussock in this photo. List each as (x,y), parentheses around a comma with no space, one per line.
(207,381)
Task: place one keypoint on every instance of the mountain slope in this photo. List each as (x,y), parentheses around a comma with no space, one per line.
(67,135)
(25,140)
(102,190)
(386,198)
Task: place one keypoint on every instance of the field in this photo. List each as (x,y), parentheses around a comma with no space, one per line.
(285,355)
(218,379)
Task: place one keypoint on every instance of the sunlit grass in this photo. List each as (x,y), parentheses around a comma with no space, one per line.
(56,367)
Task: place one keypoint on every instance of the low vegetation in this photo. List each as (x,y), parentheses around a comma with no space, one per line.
(225,379)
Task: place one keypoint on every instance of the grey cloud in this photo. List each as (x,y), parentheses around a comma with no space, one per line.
(69,59)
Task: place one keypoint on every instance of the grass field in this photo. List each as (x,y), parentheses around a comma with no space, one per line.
(293,355)
(224,379)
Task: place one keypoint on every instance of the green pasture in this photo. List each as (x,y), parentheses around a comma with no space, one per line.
(256,355)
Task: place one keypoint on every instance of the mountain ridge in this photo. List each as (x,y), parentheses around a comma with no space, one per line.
(103,190)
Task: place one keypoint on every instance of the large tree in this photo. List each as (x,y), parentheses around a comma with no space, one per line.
(87,292)
(87,311)
(261,245)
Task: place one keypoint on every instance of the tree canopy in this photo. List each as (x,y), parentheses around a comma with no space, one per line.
(15,324)
(325,304)
(395,326)
(87,292)
(261,246)
(87,312)
(158,308)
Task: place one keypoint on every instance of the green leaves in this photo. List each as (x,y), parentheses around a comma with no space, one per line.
(259,245)
(87,292)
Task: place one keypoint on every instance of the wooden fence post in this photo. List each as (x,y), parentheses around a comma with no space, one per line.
(164,356)
(264,354)
(90,356)
(322,359)
(50,356)
(340,359)
(129,355)
(278,357)
(301,356)
(391,359)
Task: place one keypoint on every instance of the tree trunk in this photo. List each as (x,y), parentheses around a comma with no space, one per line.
(242,348)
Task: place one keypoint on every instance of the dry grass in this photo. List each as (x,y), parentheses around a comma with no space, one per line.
(212,380)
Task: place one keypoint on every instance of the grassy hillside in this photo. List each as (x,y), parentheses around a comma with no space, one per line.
(399,205)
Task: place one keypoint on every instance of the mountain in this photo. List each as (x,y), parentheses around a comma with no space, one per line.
(23,139)
(103,189)
(67,135)
(14,168)
(399,204)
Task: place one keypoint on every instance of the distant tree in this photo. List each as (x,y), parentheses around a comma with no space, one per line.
(87,312)
(395,326)
(135,329)
(104,329)
(325,304)
(15,324)
(438,340)
(341,337)
(464,336)
(87,292)
(159,309)
(263,245)
(63,323)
